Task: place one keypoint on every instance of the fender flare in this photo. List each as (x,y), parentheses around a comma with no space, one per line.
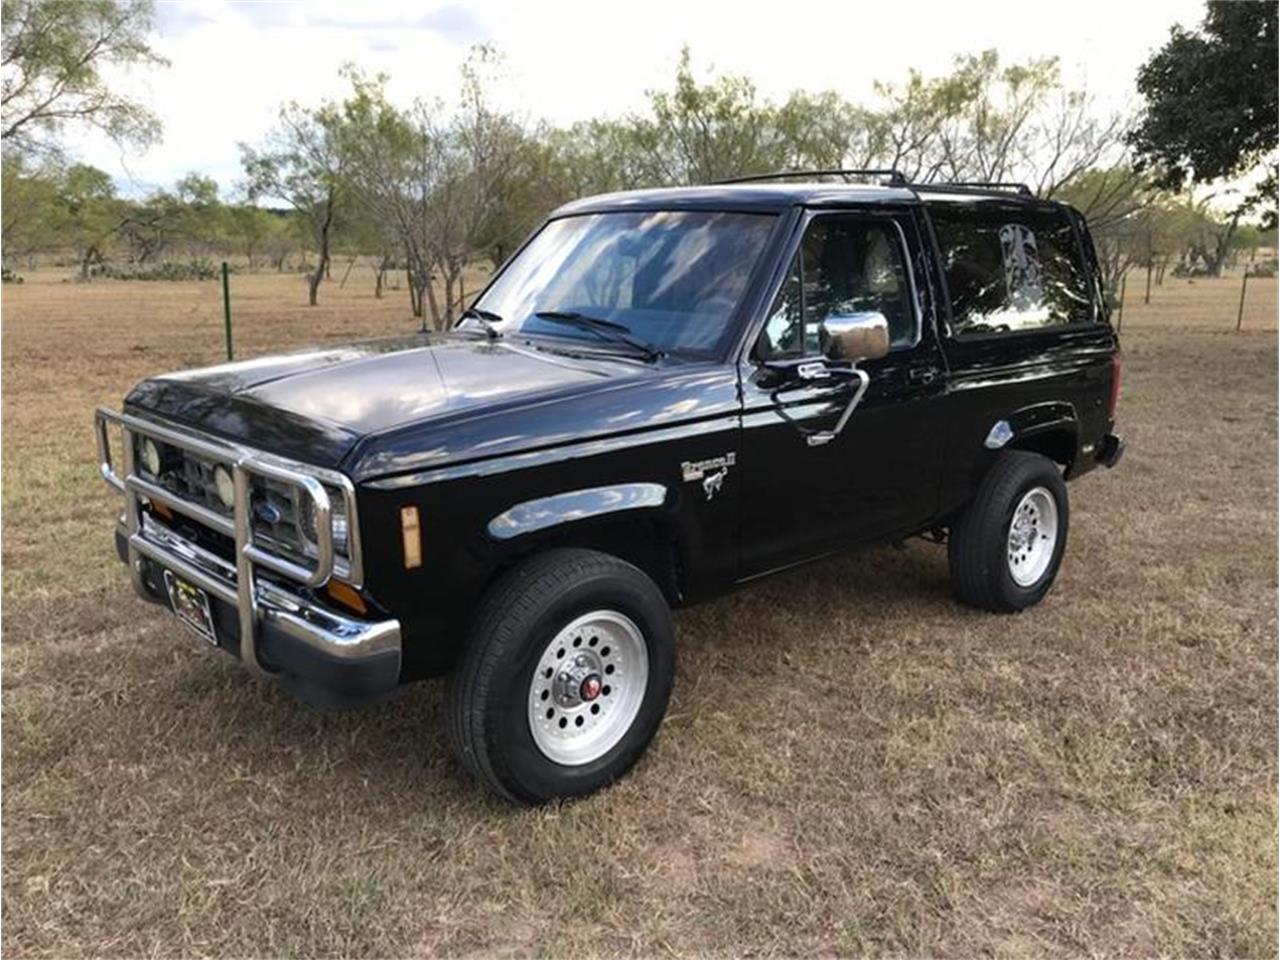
(1029,421)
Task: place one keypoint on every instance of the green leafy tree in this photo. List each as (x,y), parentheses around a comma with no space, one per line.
(201,216)
(698,133)
(1211,103)
(304,162)
(396,166)
(86,213)
(28,212)
(52,60)
(248,231)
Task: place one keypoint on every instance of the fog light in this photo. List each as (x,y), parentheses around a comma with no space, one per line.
(151,456)
(225,486)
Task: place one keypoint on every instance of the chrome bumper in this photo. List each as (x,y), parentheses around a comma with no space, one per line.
(259,604)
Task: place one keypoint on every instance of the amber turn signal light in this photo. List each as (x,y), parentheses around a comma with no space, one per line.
(346,595)
(412,533)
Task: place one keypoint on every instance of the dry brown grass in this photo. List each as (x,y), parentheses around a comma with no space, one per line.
(852,763)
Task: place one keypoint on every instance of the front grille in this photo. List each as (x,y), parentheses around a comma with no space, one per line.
(184,474)
(280,521)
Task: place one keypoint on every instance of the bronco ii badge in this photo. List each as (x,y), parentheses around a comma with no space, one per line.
(711,472)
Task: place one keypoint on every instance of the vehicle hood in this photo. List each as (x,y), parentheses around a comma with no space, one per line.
(346,406)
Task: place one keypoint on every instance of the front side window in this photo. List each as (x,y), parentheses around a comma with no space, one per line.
(843,266)
(1010,268)
(673,279)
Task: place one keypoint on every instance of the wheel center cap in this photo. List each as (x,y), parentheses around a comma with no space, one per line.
(590,688)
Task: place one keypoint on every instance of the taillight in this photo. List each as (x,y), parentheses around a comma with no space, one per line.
(1115,385)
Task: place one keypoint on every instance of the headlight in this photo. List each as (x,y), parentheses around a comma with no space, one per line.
(225,486)
(337,520)
(151,456)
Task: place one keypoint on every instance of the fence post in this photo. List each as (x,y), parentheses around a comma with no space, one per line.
(226,306)
(1124,277)
(1240,311)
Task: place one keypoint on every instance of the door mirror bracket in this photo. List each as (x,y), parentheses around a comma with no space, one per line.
(846,339)
(852,337)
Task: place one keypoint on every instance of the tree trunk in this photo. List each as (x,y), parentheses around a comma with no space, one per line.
(432,302)
(415,293)
(91,255)
(322,235)
(1223,246)
(448,297)
(313,284)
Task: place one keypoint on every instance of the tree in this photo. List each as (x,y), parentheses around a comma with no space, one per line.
(86,213)
(443,188)
(249,229)
(1211,103)
(1126,217)
(304,163)
(699,133)
(396,167)
(984,120)
(51,63)
(30,194)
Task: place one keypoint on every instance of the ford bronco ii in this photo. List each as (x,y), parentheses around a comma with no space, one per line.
(660,395)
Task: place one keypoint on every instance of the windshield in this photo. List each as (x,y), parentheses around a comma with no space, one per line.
(672,279)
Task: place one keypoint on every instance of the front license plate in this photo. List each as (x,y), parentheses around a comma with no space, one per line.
(191,606)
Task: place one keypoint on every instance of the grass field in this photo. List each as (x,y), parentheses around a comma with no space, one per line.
(852,763)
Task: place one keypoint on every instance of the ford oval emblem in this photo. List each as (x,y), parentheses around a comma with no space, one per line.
(268,513)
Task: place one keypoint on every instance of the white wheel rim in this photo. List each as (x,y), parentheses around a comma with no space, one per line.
(1033,537)
(587,687)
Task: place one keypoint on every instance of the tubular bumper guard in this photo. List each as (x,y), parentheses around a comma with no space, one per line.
(261,605)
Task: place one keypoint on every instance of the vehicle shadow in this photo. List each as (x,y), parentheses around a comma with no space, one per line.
(398,749)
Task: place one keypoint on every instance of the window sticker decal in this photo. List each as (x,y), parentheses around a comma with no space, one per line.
(1022,273)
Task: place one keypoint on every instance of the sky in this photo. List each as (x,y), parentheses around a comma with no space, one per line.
(233,64)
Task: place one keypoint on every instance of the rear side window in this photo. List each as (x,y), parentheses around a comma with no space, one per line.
(1010,268)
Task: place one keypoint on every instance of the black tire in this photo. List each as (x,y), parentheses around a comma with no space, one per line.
(488,721)
(978,544)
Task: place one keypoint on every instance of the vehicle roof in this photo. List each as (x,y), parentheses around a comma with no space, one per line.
(763,197)
(776,197)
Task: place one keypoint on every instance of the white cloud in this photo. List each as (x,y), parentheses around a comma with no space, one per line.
(234,64)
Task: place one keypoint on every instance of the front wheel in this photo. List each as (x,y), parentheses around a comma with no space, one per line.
(565,678)
(1005,549)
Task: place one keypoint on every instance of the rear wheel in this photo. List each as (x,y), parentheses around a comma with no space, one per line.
(1005,549)
(565,678)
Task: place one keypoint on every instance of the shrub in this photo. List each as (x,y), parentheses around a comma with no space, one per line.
(197,268)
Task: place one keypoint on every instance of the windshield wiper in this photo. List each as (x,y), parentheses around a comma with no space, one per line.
(486,319)
(604,329)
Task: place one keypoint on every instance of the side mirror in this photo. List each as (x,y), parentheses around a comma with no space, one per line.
(855,336)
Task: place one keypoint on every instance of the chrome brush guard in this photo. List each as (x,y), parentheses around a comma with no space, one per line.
(237,583)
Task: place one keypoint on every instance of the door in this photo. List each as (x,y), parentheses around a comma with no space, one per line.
(807,492)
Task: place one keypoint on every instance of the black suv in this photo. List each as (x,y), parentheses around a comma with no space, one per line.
(661,395)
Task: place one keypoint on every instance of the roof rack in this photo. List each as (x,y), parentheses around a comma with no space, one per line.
(896,178)
(1020,188)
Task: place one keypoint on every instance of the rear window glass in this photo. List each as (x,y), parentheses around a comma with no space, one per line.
(1010,268)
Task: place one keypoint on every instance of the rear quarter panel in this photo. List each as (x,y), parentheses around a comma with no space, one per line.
(1037,381)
